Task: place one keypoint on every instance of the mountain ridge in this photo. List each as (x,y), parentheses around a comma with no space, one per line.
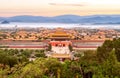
(68,18)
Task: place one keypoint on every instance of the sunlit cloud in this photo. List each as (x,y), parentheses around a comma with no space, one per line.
(58,7)
(64,4)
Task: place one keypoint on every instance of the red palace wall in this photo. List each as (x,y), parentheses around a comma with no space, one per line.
(60,43)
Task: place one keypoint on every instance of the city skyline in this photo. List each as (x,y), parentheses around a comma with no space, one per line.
(58,7)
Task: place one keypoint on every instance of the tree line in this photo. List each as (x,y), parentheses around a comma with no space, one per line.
(102,63)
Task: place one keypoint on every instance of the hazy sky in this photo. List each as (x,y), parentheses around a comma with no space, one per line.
(58,7)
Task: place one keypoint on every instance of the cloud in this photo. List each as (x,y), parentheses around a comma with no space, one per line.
(63,4)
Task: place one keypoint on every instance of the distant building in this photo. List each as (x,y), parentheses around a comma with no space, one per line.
(60,41)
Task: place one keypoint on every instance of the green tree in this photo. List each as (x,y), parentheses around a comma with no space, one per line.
(110,68)
(117,48)
(104,50)
(53,68)
(49,47)
(70,48)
